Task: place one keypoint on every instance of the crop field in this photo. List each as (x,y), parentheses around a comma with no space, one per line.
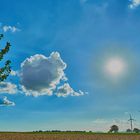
(65,136)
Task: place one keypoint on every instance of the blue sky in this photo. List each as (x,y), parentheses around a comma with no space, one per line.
(75,64)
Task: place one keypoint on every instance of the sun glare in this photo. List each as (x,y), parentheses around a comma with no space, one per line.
(115,67)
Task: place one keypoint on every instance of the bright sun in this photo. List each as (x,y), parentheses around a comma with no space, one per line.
(115,67)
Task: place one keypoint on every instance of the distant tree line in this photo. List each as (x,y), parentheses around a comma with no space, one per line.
(62,131)
(135,130)
(115,129)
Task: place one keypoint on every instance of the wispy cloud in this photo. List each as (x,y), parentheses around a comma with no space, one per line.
(83,1)
(105,124)
(5,102)
(134,4)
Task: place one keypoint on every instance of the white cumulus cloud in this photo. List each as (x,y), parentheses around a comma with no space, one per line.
(5,102)
(65,90)
(12,29)
(41,75)
(14,73)
(134,4)
(8,87)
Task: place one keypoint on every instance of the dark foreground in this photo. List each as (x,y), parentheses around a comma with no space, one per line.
(45,136)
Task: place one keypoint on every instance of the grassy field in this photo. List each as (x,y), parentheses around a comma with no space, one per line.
(67,136)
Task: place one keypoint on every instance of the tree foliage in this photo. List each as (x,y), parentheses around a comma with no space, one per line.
(128,130)
(114,128)
(6,69)
(136,130)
